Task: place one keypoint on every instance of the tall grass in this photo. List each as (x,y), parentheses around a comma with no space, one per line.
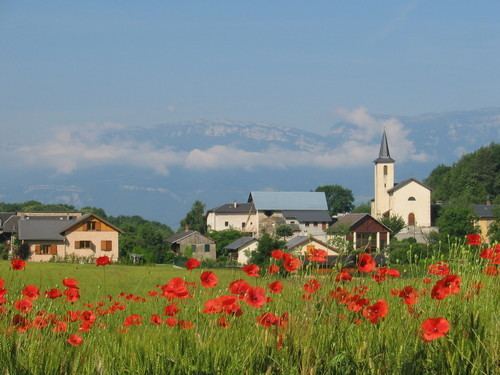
(322,336)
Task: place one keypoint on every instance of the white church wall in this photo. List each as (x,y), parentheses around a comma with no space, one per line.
(420,207)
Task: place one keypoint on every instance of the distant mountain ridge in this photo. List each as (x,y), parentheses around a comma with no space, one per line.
(234,159)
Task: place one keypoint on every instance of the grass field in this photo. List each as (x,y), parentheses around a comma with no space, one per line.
(321,335)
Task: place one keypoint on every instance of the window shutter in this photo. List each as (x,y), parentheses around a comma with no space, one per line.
(37,249)
(53,250)
(77,244)
(97,225)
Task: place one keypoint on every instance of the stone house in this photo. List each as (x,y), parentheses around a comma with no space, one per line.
(191,243)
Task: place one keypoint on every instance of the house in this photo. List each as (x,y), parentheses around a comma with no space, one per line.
(485,217)
(241,249)
(238,216)
(66,235)
(306,212)
(409,199)
(191,243)
(363,231)
(302,245)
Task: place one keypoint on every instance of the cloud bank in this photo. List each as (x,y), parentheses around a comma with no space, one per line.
(95,146)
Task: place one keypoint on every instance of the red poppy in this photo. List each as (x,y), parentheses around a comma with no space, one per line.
(291,264)
(317,255)
(409,295)
(448,285)
(434,328)
(268,319)
(171,310)
(427,280)
(102,261)
(171,322)
(439,269)
(3,292)
(355,303)
(132,320)
(176,288)
(377,311)
(272,269)
(239,287)
(31,292)
(209,279)
(212,306)
(366,263)
(223,322)
(72,294)
(251,270)
(60,326)
(53,293)
(70,283)
(343,275)
(275,287)
(487,253)
(192,263)
(155,319)
(23,305)
(17,264)
(256,297)
(185,324)
(312,286)
(74,340)
(277,254)
(474,239)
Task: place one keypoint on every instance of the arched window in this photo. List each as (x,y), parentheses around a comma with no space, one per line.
(412,199)
(385,170)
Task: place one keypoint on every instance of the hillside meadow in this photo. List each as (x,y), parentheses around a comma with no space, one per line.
(118,319)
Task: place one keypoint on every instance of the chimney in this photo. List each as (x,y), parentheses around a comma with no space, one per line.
(235,204)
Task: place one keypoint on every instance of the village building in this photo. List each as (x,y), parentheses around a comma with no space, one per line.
(63,236)
(241,249)
(303,245)
(409,199)
(191,243)
(484,218)
(237,216)
(363,231)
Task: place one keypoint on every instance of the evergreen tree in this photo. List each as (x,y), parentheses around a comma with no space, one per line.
(195,218)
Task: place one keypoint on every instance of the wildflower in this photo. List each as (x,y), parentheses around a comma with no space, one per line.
(155,319)
(171,310)
(256,297)
(377,311)
(175,288)
(53,293)
(277,254)
(474,239)
(272,269)
(132,320)
(23,305)
(448,285)
(70,283)
(434,328)
(317,255)
(291,264)
(208,279)
(366,263)
(102,261)
(312,286)
(239,287)
(251,270)
(343,275)
(192,263)
(17,264)
(409,295)
(275,287)
(74,340)
(72,294)
(268,319)
(31,292)
(439,269)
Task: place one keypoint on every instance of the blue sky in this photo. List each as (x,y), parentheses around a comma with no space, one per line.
(285,63)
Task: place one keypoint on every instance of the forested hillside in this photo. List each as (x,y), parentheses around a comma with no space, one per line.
(139,235)
(475,178)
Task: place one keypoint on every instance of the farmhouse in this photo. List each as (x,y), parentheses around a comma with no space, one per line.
(192,243)
(485,217)
(63,235)
(241,249)
(409,199)
(363,231)
(238,216)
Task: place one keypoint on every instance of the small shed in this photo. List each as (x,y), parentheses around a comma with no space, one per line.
(364,231)
(241,249)
(192,243)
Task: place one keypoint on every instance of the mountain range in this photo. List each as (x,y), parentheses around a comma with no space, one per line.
(158,171)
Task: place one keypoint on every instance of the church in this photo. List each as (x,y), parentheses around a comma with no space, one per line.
(409,199)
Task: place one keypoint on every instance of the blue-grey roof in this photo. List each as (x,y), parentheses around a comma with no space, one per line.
(4,216)
(384,155)
(483,211)
(240,242)
(296,241)
(288,200)
(42,229)
(308,216)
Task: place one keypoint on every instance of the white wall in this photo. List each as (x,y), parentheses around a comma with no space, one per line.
(244,252)
(217,222)
(421,207)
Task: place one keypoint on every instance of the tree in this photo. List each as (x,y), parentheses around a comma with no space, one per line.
(394,222)
(223,238)
(23,251)
(456,221)
(94,210)
(195,219)
(362,208)
(494,229)
(284,230)
(338,198)
(263,253)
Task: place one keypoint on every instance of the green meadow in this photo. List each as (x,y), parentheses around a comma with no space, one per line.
(321,335)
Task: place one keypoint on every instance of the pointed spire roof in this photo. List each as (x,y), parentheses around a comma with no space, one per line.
(384,155)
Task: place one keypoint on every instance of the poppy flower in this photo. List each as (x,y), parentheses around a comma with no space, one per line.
(275,287)
(53,293)
(60,326)
(439,269)
(317,255)
(239,287)
(209,279)
(23,305)
(272,269)
(185,324)
(409,295)
(74,340)
(155,319)
(343,275)
(473,239)
(251,270)
(70,283)
(223,322)
(291,264)
(212,306)
(366,263)
(376,312)
(176,288)
(448,285)
(17,264)
(132,320)
(356,303)
(171,310)
(312,286)
(72,294)
(171,322)
(40,322)
(268,319)
(192,263)
(102,261)
(277,254)
(256,297)
(31,292)
(434,328)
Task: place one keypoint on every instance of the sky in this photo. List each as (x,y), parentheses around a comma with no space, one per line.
(284,63)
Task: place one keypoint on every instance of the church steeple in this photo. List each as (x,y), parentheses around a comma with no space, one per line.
(384,156)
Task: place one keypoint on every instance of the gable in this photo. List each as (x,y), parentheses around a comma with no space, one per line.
(369,225)
(412,183)
(90,222)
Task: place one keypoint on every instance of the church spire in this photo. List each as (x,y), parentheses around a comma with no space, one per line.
(384,156)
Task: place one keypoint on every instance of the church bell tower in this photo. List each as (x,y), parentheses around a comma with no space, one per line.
(384,180)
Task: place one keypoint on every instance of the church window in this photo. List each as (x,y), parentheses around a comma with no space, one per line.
(412,199)
(385,170)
